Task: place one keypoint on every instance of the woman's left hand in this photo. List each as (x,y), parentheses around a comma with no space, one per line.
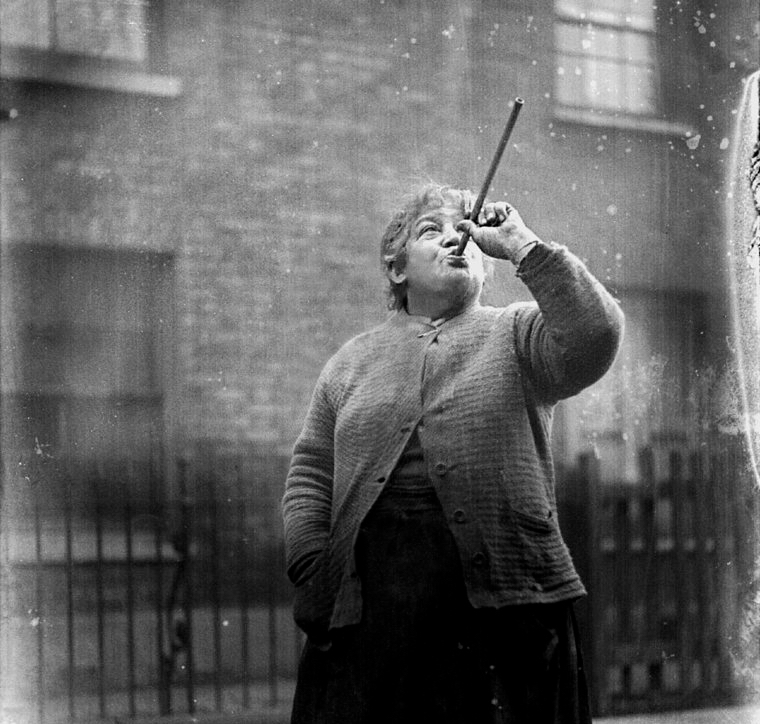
(500,232)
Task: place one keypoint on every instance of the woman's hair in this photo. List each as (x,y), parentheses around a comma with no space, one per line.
(398,232)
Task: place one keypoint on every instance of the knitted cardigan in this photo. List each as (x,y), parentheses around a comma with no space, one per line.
(480,388)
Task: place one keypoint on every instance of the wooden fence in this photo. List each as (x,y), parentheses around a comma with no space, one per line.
(669,564)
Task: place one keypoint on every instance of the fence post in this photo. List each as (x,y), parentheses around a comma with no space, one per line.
(184,626)
(96,475)
(699,466)
(159,509)
(243,577)
(180,627)
(212,471)
(583,503)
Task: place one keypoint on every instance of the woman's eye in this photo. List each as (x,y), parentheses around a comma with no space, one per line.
(427,230)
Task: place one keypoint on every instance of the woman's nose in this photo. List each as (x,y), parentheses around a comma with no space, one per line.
(450,235)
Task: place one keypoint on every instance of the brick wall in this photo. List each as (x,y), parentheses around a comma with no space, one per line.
(271,177)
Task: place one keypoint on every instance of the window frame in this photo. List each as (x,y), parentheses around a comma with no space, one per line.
(649,120)
(605,415)
(37,397)
(49,65)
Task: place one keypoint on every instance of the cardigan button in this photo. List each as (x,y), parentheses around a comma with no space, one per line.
(478,560)
(460,516)
(441,468)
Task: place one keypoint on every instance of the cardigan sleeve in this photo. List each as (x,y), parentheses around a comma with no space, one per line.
(307,502)
(570,338)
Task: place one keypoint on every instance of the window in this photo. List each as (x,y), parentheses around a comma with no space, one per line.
(113,44)
(606,52)
(99,28)
(85,375)
(658,389)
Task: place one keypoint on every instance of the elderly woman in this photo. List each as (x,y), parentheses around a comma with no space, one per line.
(421,530)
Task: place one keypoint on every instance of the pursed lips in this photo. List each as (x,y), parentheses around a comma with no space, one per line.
(453,258)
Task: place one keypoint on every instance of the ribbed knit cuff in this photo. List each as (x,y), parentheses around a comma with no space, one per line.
(523,251)
(533,256)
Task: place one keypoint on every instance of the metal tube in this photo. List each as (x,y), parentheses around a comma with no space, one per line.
(243,584)
(516,108)
(128,486)
(96,474)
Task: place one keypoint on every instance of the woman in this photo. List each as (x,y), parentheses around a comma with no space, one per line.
(420,516)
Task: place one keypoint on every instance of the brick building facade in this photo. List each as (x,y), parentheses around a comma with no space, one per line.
(253,172)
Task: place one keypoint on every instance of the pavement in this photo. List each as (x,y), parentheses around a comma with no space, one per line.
(280,715)
(724,715)
(264,713)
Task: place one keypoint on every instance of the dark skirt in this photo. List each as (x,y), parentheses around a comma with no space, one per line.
(422,653)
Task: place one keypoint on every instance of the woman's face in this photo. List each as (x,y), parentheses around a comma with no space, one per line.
(432,270)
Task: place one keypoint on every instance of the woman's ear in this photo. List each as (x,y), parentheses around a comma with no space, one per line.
(396,276)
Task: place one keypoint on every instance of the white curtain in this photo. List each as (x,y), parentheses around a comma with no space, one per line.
(743,235)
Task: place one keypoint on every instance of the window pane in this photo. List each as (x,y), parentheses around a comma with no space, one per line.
(25,23)
(637,47)
(641,94)
(571,8)
(569,88)
(600,42)
(606,44)
(87,361)
(103,428)
(104,28)
(605,84)
(34,423)
(87,365)
(641,13)
(623,12)
(602,67)
(637,14)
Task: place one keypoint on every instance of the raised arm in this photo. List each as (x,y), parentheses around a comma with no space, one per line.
(569,339)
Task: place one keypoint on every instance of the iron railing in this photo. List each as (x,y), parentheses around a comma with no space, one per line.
(125,595)
(136,600)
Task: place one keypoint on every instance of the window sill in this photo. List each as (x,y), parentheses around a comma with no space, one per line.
(26,64)
(622,121)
